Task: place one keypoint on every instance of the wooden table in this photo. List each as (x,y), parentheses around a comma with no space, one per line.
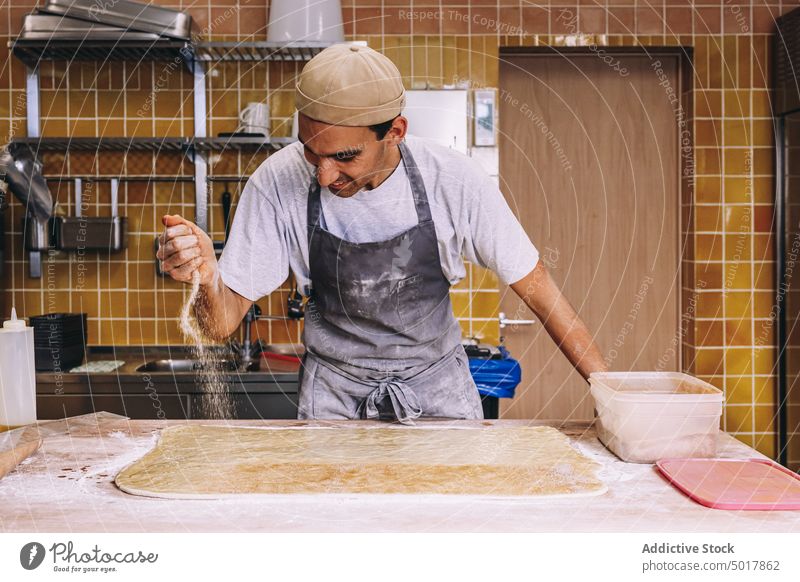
(67,486)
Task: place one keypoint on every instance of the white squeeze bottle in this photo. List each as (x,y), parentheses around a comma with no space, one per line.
(17,374)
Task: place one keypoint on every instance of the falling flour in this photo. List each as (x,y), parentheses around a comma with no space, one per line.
(216,400)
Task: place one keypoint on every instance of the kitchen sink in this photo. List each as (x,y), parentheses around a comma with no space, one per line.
(188,365)
(296,350)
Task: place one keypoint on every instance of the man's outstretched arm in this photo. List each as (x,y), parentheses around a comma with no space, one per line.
(539,292)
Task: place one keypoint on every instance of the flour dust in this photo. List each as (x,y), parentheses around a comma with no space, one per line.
(216,400)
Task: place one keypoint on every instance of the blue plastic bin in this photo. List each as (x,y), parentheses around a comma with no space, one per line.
(495,378)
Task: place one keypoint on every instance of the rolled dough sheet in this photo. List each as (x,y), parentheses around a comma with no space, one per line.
(191,462)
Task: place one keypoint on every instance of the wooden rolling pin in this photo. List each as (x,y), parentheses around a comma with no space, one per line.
(16,446)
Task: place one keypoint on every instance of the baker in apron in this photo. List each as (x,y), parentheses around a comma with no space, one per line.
(380,335)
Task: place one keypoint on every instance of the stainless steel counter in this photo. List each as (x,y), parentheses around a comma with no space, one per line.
(268,391)
(267,370)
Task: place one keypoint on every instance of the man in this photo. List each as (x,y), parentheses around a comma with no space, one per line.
(373,223)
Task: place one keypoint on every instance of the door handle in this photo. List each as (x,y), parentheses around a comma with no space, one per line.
(506,322)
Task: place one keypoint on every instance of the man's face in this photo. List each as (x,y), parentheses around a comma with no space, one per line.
(347,158)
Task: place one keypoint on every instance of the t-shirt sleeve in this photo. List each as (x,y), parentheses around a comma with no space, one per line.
(255,260)
(498,241)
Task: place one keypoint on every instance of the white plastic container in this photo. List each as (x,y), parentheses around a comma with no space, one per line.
(646,416)
(17,374)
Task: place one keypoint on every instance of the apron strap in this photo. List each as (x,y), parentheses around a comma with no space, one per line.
(405,403)
(417,185)
(314,208)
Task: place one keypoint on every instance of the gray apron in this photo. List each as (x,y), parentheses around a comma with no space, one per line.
(381,339)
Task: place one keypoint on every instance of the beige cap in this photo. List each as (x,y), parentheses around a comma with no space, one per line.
(348,84)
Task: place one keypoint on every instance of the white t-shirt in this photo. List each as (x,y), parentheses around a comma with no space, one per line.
(472,219)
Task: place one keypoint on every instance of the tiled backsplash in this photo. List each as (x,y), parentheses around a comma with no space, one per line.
(729,266)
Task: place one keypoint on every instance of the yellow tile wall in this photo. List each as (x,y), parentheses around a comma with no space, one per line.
(729,262)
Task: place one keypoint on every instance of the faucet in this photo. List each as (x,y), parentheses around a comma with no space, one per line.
(246,349)
(294,304)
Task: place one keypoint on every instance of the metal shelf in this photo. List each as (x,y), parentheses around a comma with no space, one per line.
(32,52)
(152,144)
(140,178)
(257,51)
(195,56)
(219,144)
(93,144)
(119,177)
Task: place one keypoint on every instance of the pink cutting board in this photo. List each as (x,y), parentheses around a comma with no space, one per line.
(754,484)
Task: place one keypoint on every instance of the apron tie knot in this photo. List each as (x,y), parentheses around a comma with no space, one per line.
(403,399)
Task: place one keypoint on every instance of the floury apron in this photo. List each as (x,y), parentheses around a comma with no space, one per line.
(381,339)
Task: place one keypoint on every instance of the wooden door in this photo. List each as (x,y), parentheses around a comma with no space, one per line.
(589,161)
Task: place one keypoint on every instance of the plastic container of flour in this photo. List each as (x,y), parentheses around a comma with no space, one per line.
(646,416)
